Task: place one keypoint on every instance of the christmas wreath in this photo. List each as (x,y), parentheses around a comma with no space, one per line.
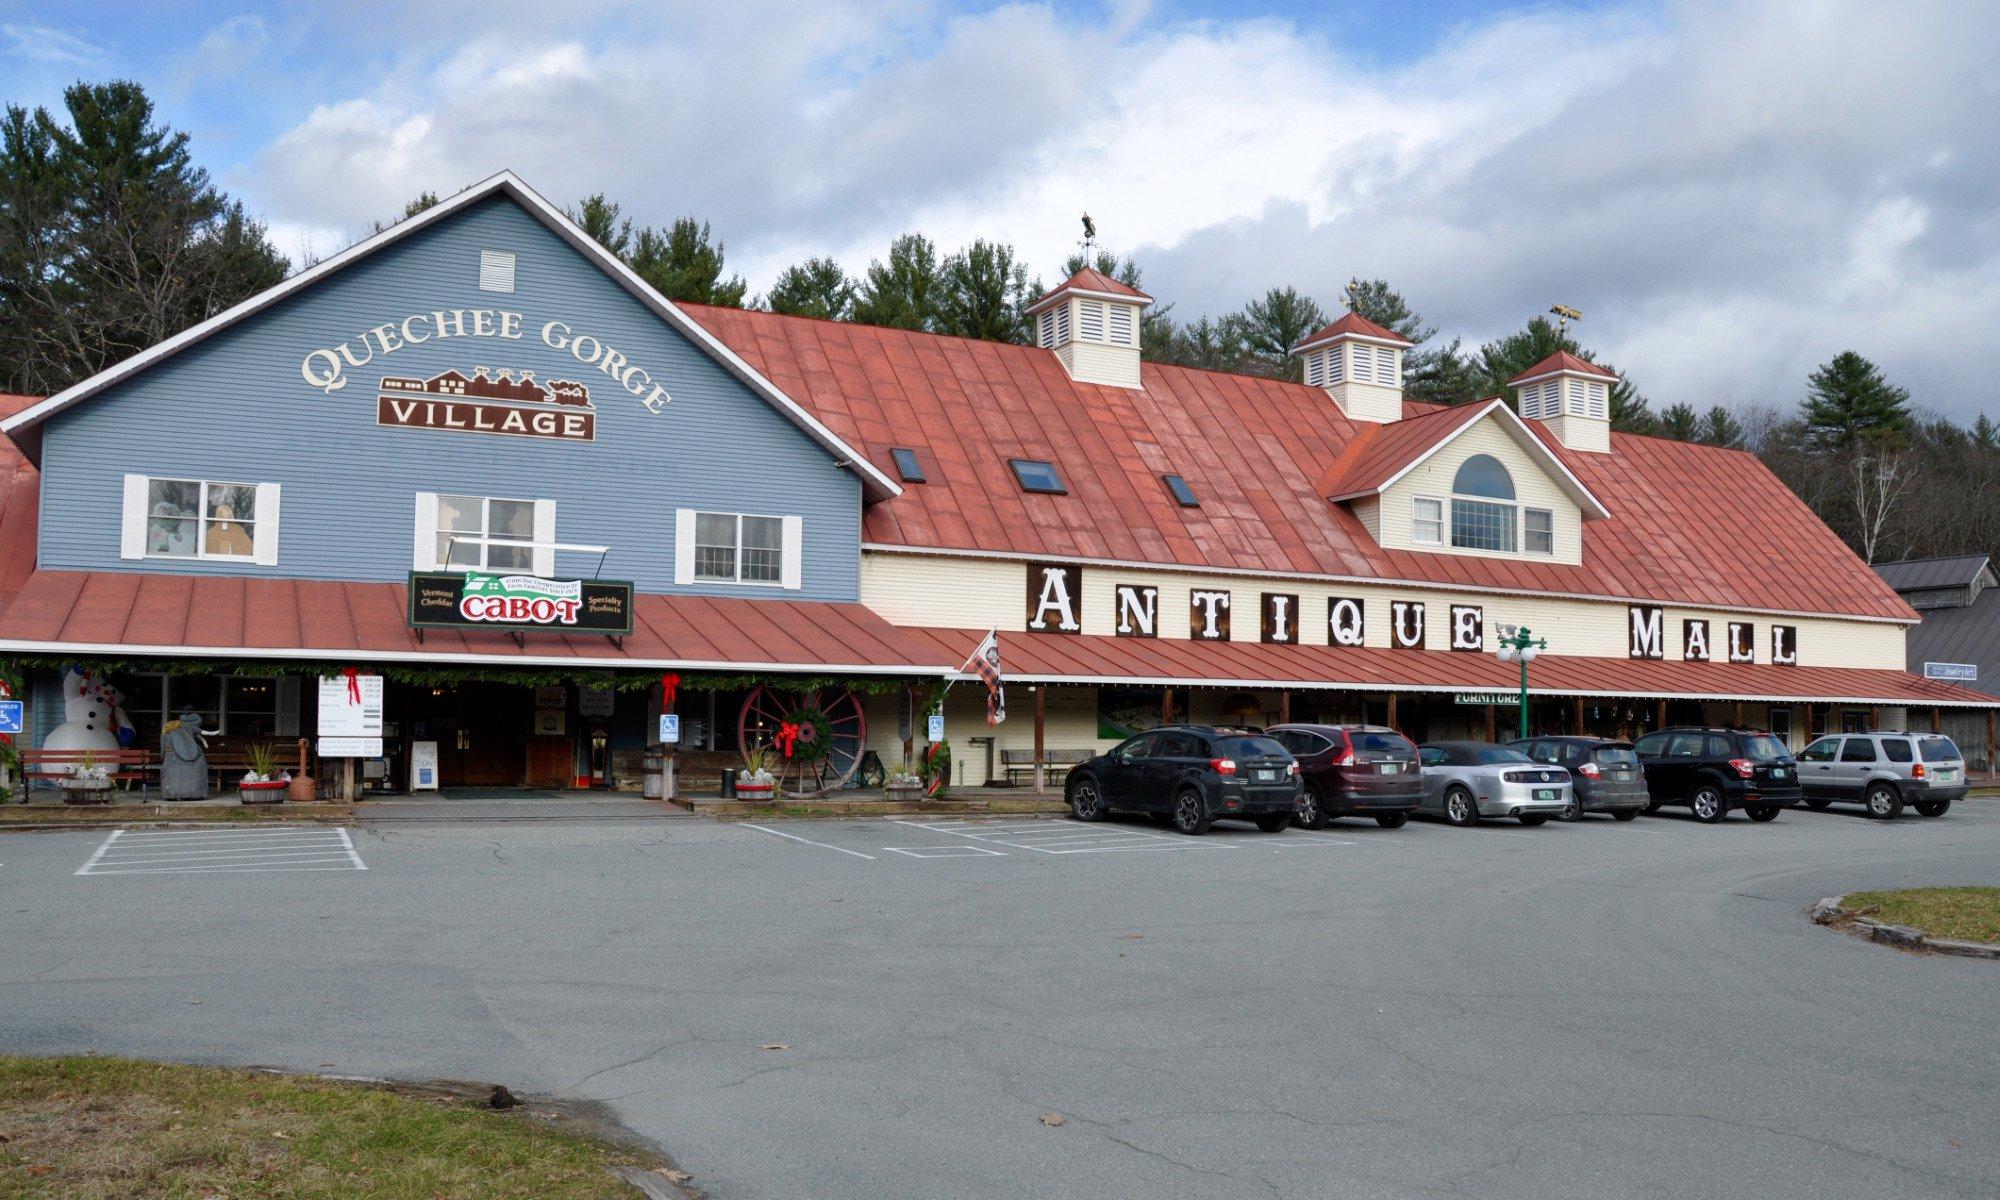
(937,769)
(806,737)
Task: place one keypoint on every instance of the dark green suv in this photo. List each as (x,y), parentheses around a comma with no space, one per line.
(1713,769)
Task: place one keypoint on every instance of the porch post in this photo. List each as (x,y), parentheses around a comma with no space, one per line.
(1993,741)
(1937,719)
(1874,718)
(1041,714)
(1285,707)
(1392,714)
(1739,714)
(1663,715)
(1166,706)
(1579,716)
(1489,722)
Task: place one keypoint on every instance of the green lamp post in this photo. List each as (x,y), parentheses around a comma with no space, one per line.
(1520,647)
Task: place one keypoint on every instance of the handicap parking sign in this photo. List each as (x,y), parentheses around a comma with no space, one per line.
(670,729)
(10,716)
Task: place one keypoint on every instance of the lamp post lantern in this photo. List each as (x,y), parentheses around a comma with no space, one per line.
(1521,647)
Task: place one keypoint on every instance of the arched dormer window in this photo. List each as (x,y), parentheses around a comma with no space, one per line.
(1482,513)
(1482,475)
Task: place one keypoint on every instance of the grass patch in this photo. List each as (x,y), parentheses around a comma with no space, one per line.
(1969,914)
(102,1128)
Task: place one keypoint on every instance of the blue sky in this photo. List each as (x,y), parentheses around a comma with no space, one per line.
(1732,192)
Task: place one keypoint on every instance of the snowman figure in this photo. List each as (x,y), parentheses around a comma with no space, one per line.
(93,718)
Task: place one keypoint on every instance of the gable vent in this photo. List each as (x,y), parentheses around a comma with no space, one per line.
(496,271)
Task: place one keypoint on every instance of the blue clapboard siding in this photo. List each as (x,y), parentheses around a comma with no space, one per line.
(235,408)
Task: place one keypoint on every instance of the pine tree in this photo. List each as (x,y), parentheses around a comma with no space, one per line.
(1375,300)
(685,264)
(902,293)
(1211,345)
(1679,422)
(816,287)
(982,290)
(111,239)
(600,218)
(424,200)
(1273,325)
(1985,434)
(1719,427)
(1848,400)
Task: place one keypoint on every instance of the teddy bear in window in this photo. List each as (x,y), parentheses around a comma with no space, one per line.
(227,536)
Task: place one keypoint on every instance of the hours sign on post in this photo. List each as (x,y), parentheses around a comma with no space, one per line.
(350,716)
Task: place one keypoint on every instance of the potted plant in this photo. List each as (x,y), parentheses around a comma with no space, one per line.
(756,782)
(89,782)
(263,783)
(905,783)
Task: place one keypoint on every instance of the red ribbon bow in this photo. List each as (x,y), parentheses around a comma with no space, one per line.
(353,684)
(788,737)
(669,684)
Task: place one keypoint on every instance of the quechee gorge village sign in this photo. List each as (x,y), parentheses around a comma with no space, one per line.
(501,403)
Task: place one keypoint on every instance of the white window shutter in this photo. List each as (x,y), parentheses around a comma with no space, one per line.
(423,556)
(545,531)
(790,566)
(264,532)
(287,725)
(684,545)
(132,529)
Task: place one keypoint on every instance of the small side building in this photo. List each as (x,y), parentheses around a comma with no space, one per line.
(1958,639)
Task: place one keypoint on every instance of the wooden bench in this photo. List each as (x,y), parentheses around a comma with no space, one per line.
(124,766)
(1022,762)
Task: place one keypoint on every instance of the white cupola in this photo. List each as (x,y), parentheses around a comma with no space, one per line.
(1091,322)
(1360,364)
(1572,396)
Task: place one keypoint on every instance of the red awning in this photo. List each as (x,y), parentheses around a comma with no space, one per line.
(138,614)
(1061,658)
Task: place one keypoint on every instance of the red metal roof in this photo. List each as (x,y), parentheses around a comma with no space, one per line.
(1378,452)
(1353,323)
(20,509)
(203,615)
(1061,658)
(1563,360)
(1089,280)
(1689,524)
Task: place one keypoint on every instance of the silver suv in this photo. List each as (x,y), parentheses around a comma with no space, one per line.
(1883,771)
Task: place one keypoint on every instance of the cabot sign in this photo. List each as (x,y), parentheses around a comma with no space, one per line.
(477,600)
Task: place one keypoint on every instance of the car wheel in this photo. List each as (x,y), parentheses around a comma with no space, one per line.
(1392,820)
(1190,814)
(1085,802)
(1311,810)
(1573,811)
(1884,802)
(1763,812)
(1817,803)
(1274,822)
(1932,808)
(1708,804)
(1624,814)
(1459,808)
(1533,819)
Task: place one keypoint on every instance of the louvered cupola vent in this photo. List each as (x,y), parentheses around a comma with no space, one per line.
(1091,323)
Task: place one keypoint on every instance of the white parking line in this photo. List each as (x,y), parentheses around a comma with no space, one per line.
(280,848)
(808,841)
(950,851)
(1053,838)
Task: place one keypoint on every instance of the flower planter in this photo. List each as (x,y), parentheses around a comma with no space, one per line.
(904,793)
(754,791)
(84,790)
(269,791)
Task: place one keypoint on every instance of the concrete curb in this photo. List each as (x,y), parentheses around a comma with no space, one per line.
(1833,913)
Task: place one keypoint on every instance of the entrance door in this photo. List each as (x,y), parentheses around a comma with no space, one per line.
(487,747)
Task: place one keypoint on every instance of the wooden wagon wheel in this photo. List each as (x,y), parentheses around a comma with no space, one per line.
(830,734)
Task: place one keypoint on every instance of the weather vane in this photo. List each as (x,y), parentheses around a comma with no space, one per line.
(1564,314)
(1089,242)
(1354,295)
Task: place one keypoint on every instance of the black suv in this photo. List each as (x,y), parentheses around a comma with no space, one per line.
(1713,769)
(1192,774)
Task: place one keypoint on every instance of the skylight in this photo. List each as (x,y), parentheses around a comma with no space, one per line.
(1183,494)
(1038,476)
(907,465)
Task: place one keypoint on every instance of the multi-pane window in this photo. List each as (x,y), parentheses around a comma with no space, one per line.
(235,706)
(465,524)
(1427,521)
(1538,527)
(192,518)
(732,548)
(1481,525)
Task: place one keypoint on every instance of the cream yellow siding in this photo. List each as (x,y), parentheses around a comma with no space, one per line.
(1534,487)
(1091,362)
(1369,509)
(1588,434)
(1369,401)
(981,593)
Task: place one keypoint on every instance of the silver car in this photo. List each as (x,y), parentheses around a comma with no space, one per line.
(1464,781)
(1884,771)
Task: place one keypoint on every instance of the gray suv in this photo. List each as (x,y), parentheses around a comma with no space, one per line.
(1883,771)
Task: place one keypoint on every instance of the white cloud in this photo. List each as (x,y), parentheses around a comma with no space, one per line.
(40,43)
(1731,192)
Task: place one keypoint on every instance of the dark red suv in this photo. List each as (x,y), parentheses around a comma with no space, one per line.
(1353,771)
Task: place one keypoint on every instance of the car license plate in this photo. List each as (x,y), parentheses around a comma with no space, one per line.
(1946,775)
(1264,775)
(1388,768)
(1779,772)
(1545,793)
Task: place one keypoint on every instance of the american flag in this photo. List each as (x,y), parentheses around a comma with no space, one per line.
(985,662)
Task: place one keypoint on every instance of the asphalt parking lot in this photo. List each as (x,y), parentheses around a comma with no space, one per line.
(1600,1010)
